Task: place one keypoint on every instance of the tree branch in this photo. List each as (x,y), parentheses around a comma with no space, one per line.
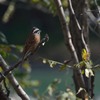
(13,81)
(42,42)
(68,40)
(65,28)
(72,10)
(7,71)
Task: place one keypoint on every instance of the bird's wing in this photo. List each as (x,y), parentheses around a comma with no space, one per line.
(28,44)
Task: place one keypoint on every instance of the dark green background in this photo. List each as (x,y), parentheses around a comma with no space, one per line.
(21,23)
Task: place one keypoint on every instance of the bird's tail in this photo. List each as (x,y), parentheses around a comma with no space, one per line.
(25,56)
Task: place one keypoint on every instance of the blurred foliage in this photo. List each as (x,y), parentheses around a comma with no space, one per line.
(9,12)
(49,4)
(52,93)
(11,53)
(3,38)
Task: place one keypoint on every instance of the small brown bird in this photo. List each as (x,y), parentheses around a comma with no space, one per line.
(32,42)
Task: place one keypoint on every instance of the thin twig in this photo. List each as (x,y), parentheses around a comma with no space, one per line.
(97,6)
(84,42)
(79,27)
(72,10)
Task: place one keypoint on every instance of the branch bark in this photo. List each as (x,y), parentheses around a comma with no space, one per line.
(68,40)
(19,90)
(76,38)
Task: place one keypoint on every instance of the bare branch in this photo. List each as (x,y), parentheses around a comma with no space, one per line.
(67,33)
(72,10)
(13,81)
(65,28)
(78,25)
(77,74)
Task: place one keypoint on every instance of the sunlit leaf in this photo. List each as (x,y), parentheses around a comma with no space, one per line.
(89,72)
(88,64)
(85,55)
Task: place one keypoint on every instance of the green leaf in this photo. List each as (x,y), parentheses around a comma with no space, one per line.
(88,64)
(82,71)
(63,67)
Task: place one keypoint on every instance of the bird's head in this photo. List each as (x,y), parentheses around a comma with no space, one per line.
(36,30)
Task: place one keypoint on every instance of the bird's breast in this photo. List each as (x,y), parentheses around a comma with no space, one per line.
(37,38)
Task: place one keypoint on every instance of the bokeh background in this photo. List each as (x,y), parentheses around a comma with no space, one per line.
(17,28)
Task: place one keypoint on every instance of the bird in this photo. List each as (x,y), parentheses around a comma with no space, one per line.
(32,42)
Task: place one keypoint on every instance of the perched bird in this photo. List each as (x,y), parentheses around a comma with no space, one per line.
(31,42)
